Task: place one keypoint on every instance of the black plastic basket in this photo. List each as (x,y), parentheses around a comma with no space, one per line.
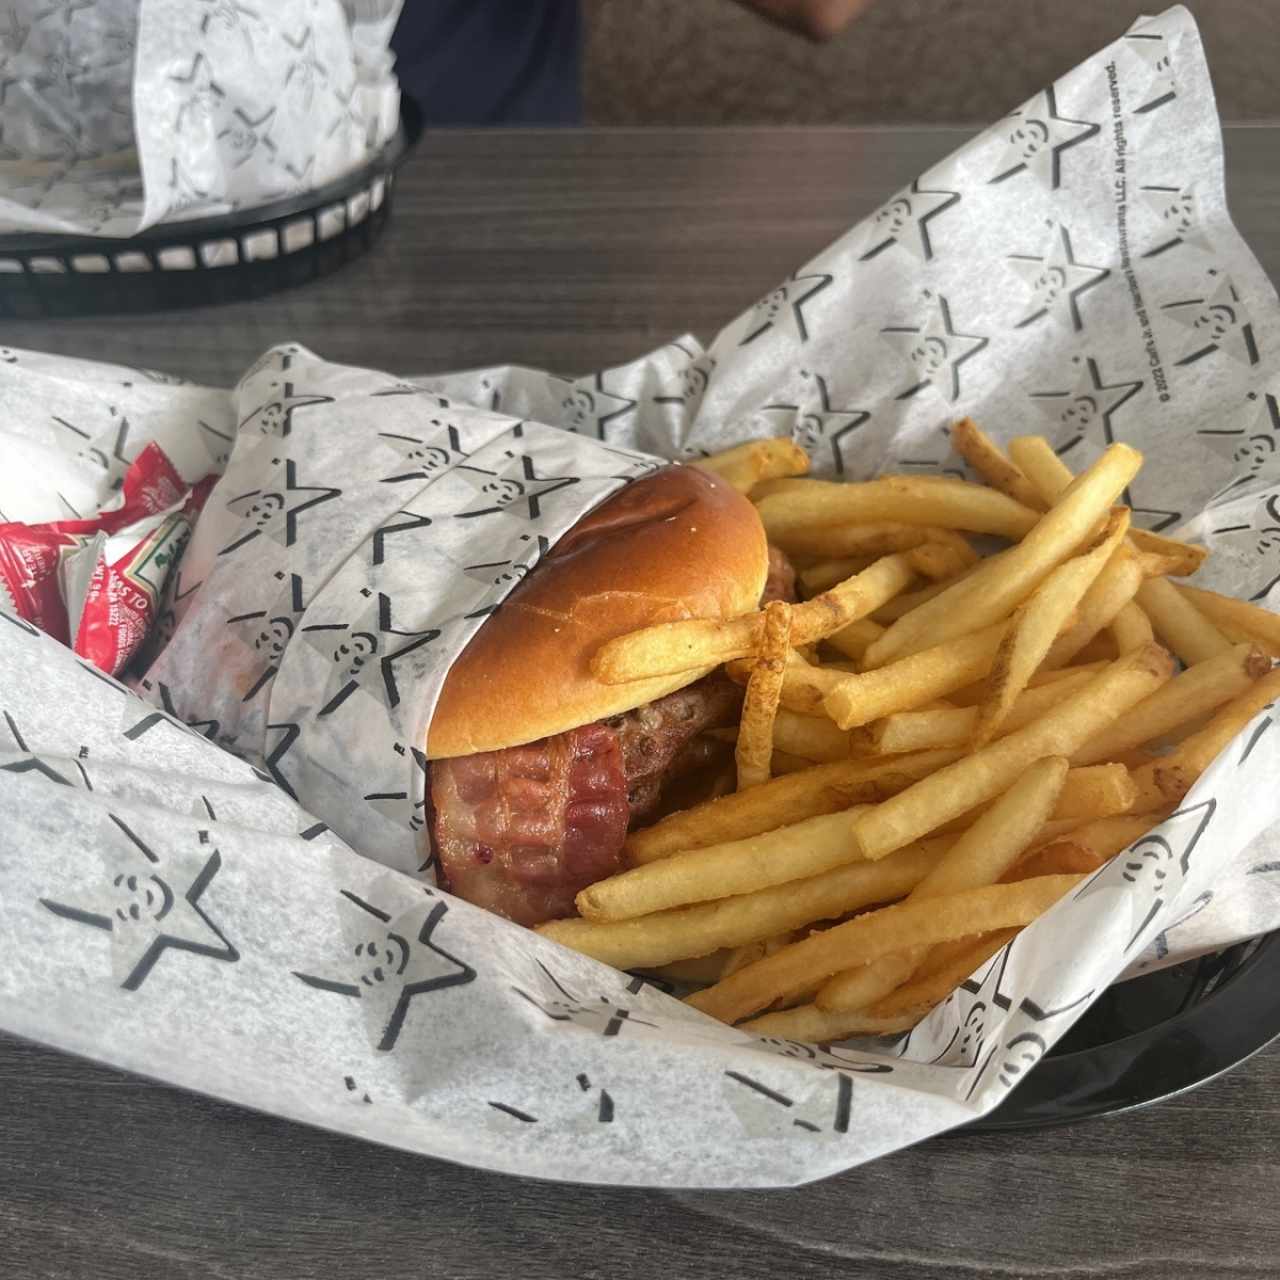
(228,258)
(1153,1038)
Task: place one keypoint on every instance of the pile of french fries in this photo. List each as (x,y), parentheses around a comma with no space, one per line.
(935,745)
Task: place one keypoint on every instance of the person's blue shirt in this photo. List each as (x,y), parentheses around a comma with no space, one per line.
(484,62)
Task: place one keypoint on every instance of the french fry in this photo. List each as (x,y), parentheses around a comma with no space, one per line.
(971,695)
(1103,838)
(1168,779)
(979,857)
(793,852)
(997,586)
(1255,622)
(1096,791)
(1063,730)
(917,679)
(813,737)
(1060,858)
(1196,691)
(878,933)
(880,538)
(1178,622)
(803,685)
(745,465)
(1036,625)
(695,643)
(954,726)
(807,1022)
(818,790)
(1113,588)
(665,936)
(854,639)
(928,989)
(940,560)
(1047,472)
(1181,559)
(990,462)
(754,747)
(931,500)
(784,763)
(826,573)
(901,605)
(1131,628)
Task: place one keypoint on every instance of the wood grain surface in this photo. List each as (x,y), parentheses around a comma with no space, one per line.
(572,251)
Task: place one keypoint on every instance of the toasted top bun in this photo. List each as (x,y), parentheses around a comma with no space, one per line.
(680,543)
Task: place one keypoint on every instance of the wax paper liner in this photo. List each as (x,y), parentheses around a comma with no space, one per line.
(170,908)
(119,114)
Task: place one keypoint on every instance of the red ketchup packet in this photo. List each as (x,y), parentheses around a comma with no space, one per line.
(69,578)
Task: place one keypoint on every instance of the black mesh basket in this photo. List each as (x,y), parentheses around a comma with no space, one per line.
(228,258)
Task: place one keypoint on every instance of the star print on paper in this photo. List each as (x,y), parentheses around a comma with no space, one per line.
(1253,446)
(104,449)
(935,350)
(904,221)
(408,806)
(274,417)
(218,443)
(421,458)
(243,134)
(1038,135)
(390,962)
(1084,410)
(364,653)
(184,191)
(1219,321)
(515,490)
(1056,281)
(306,72)
(591,410)
(690,384)
(784,308)
(150,903)
(275,510)
(67,773)
(1178,209)
(267,632)
(1152,47)
(1259,539)
(506,573)
(814,423)
(768,1110)
(229,17)
(204,96)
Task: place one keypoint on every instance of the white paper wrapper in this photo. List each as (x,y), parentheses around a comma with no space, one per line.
(169,908)
(119,114)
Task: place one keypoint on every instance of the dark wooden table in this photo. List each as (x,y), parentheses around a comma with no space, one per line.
(572,251)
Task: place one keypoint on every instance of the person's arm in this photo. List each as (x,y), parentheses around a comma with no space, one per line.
(817,19)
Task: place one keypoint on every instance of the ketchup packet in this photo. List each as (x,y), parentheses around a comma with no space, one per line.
(94,583)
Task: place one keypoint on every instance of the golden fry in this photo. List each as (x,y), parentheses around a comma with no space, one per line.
(1169,778)
(1113,588)
(978,777)
(979,857)
(913,681)
(1037,623)
(813,737)
(760,705)
(1179,624)
(853,640)
(696,643)
(745,465)
(878,933)
(817,790)
(990,462)
(997,586)
(954,726)
(666,936)
(1253,620)
(807,1022)
(826,573)
(1131,628)
(791,852)
(1198,690)
(931,500)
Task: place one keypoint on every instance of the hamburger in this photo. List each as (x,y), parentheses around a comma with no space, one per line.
(537,769)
